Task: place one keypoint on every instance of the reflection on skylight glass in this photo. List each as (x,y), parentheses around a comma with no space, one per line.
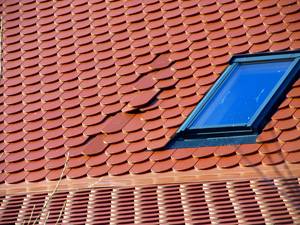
(241,94)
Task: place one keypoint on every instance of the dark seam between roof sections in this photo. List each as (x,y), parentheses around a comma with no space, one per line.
(128,73)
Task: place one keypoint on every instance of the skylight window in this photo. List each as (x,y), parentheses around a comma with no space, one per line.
(241,94)
(240,104)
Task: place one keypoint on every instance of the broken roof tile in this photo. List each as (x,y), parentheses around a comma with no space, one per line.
(145,82)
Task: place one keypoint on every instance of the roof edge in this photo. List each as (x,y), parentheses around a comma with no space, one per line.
(281,171)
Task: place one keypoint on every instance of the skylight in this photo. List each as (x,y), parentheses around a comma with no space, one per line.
(240,104)
(241,94)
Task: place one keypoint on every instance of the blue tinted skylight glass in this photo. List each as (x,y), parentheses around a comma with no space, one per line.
(241,94)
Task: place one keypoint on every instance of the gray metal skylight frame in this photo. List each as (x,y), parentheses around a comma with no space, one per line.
(258,120)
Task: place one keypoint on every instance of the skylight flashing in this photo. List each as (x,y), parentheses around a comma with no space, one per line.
(283,67)
(264,56)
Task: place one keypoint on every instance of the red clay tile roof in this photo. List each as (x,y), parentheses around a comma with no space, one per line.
(271,201)
(108,83)
(104,81)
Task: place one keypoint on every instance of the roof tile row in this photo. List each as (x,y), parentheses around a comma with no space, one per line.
(210,202)
(105,81)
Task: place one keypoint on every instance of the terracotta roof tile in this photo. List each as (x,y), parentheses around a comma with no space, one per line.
(14,157)
(34,155)
(225,150)
(98,171)
(35,165)
(116,148)
(288,135)
(157,144)
(179,154)
(161,155)
(95,65)
(185,164)
(204,152)
(77,172)
(155,134)
(270,147)
(251,160)
(238,41)
(283,114)
(36,175)
(206,163)
(137,146)
(275,158)
(141,168)
(119,169)
(16,177)
(293,157)
(230,161)
(135,136)
(247,149)
(139,157)
(15,166)
(286,124)
(171,113)
(290,146)
(163,166)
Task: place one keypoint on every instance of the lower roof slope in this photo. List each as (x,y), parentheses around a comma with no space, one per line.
(104,81)
(271,201)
